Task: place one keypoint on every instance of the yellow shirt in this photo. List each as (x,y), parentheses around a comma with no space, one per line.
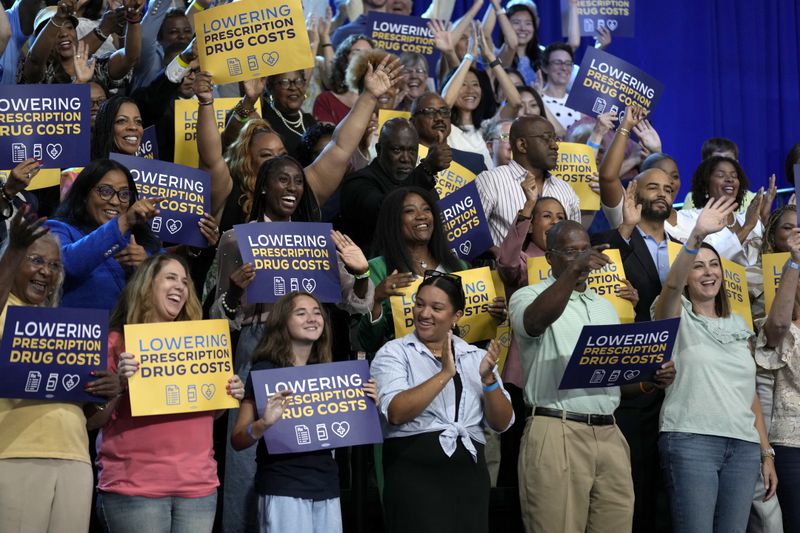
(41,429)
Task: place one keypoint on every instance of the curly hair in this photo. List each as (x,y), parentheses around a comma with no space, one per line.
(768,244)
(240,163)
(702,175)
(337,80)
(306,153)
(359,65)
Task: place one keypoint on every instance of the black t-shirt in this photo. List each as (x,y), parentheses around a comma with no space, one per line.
(310,475)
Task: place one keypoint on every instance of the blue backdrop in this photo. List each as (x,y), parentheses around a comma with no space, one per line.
(731,68)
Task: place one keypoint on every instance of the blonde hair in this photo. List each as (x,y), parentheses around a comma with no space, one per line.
(240,161)
(357,68)
(135,305)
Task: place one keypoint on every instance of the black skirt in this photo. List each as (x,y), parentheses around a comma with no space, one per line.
(426,491)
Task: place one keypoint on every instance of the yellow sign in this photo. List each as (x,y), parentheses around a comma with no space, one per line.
(253,38)
(504,334)
(576,165)
(476,324)
(773,269)
(46,177)
(389,114)
(184,367)
(735,279)
(604,281)
(186,127)
(450,179)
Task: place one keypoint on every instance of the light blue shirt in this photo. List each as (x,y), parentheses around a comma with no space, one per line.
(404,363)
(10,57)
(659,253)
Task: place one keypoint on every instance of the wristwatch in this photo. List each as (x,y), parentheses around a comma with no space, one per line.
(767,452)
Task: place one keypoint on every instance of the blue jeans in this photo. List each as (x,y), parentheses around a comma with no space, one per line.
(298,515)
(710,481)
(136,514)
(787,466)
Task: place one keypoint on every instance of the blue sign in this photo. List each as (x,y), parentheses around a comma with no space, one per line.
(614,355)
(398,33)
(328,407)
(606,83)
(617,16)
(465,223)
(50,123)
(186,194)
(289,256)
(148,148)
(796,187)
(49,353)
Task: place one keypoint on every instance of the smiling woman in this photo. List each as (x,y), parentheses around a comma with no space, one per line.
(118,128)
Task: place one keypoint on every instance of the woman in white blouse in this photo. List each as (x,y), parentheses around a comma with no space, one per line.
(437,393)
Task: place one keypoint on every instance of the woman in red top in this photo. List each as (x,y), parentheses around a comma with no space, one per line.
(157,473)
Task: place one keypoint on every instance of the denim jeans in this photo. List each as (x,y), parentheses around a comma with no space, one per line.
(787,466)
(710,481)
(137,514)
(298,515)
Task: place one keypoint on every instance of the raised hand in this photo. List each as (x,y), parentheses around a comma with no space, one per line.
(439,155)
(386,75)
(324,26)
(530,189)
(83,64)
(66,9)
(714,216)
(489,362)
(633,116)
(21,176)
(448,362)
(189,53)
(594,183)
(486,45)
(604,123)
(254,89)
(648,136)
(769,198)
(390,285)
(754,210)
(441,35)
(631,209)
(603,37)
(474,38)
(794,244)
(204,86)
(24,230)
(349,253)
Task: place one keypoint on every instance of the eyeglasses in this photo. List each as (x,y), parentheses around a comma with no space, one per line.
(107,192)
(548,138)
(285,83)
(438,274)
(432,112)
(559,63)
(418,70)
(97,102)
(505,137)
(38,261)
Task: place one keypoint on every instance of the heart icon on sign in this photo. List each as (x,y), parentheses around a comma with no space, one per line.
(54,150)
(630,374)
(611,24)
(70,381)
(309,284)
(208,390)
(340,428)
(270,58)
(465,247)
(174,226)
(463,330)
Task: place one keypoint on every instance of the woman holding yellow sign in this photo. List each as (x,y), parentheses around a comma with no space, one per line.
(157,473)
(437,394)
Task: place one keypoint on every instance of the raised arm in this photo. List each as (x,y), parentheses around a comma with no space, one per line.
(450,91)
(326,172)
(124,60)
(573,27)
(513,99)
(149,62)
(28,9)
(713,218)
(209,144)
(39,53)
(244,110)
(780,316)
(610,186)
(22,232)
(112,22)
(197,6)
(5,29)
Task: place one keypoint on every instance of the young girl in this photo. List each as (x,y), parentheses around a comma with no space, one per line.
(297,492)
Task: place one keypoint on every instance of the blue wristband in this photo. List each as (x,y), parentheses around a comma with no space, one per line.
(689,250)
(590,144)
(250,431)
(493,386)
(792,264)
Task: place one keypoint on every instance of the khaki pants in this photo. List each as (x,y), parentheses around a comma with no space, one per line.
(574,478)
(45,495)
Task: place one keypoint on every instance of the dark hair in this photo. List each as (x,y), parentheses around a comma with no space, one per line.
(792,159)
(721,304)
(552,47)
(337,80)
(525,89)
(703,174)
(73,208)
(173,12)
(93,9)
(306,153)
(718,144)
(416,103)
(532,49)
(768,244)
(275,345)
(451,287)
(563,227)
(307,209)
(653,159)
(103,131)
(389,233)
(477,113)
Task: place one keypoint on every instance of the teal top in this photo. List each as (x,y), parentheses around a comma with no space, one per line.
(544,358)
(374,334)
(715,380)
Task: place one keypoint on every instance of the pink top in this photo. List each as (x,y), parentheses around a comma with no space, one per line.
(328,108)
(155,456)
(512,265)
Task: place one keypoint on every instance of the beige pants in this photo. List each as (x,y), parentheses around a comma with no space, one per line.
(45,495)
(574,478)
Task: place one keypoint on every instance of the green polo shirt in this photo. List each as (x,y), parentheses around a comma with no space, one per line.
(544,358)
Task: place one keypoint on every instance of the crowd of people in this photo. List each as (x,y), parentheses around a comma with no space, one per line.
(713,433)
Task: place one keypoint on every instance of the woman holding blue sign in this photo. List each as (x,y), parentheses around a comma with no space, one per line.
(297,492)
(437,394)
(711,420)
(45,471)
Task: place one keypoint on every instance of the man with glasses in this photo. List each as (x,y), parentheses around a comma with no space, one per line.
(497,135)
(430,115)
(534,151)
(574,464)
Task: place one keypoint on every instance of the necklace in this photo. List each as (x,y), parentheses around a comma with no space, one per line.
(732,224)
(292,125)
(422,264)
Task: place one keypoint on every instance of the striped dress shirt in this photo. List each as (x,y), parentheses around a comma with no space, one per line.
(502,197)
